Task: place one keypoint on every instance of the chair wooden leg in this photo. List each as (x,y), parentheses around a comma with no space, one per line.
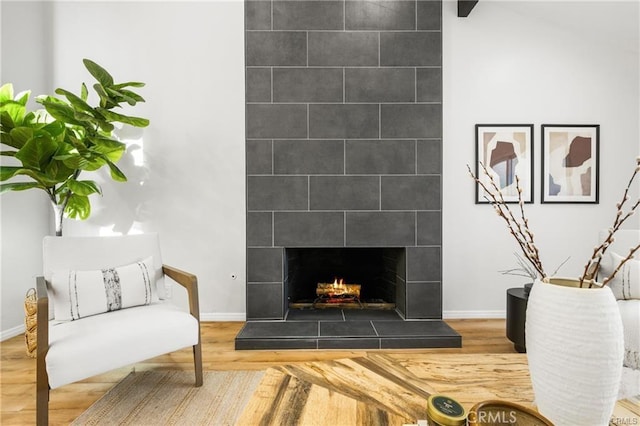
(197,363)
(42,378)
(42,401)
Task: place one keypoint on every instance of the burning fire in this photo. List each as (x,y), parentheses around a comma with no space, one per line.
(338,288)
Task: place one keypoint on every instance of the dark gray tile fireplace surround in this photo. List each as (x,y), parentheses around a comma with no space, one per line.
(343,150)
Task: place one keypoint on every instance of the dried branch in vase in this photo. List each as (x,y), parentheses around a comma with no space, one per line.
(518,227)
(524,269)
(593,265)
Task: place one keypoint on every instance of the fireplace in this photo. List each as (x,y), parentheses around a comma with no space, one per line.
(351,278)
(396,309)
(344,167)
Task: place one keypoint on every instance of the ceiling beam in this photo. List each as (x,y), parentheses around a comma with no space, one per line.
(465,7)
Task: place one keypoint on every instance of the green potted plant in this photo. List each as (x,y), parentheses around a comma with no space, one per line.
(51,147)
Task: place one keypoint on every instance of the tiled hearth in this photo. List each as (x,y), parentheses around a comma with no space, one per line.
(346,329)
(344,142)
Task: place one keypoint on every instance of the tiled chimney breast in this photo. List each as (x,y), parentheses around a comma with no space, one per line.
(344,128)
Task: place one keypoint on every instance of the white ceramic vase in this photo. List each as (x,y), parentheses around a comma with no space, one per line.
(575,347)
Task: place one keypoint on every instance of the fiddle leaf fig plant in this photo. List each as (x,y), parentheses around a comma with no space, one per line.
(51,147)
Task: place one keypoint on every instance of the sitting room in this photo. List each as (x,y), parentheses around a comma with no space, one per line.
(320,212)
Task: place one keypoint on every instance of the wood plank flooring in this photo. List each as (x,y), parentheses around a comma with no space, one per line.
(17,371)
(286,400)
(384,389)
(392,388)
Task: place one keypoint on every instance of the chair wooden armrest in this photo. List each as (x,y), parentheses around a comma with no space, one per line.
(190,282)
(42,379)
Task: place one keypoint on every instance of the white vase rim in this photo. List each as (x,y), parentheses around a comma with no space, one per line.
(559,280)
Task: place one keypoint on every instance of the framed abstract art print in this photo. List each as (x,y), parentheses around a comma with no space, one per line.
(570,163)
(506,151)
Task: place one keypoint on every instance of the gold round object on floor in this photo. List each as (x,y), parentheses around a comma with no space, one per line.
(494,412)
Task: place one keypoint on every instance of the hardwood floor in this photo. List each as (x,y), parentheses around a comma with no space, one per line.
(17,371)
(384,389)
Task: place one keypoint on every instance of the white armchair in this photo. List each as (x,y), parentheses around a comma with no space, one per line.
(629,305)
(140,323)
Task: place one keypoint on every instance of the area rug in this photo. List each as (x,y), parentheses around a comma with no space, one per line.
(170,398)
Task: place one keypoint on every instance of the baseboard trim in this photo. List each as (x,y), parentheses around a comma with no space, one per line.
(241,316)
(223,317)
(474,314)
(12,332)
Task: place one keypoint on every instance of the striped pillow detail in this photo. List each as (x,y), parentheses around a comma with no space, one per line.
(78,294)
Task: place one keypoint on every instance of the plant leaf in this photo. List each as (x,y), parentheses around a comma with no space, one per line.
(105,100)
(120,97)
(23,97)
(99,73)
(6,121)
(78,207)
(107,144)
(73,161)
(128,84)
(6,92)
(55,128)
(8,153)
(60,111)
(83,187)
(111,148)
(95,163)
(133,121)
(58,171)
(20,136)
(116,173)
(7,172)
(75,101)
(14,110)
(84,117)
(37,151)
(19,186)
(132,95)
(84,93)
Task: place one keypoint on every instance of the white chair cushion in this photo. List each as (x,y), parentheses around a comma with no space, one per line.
(99,343)
(78,294)
(624,239)
(88,253)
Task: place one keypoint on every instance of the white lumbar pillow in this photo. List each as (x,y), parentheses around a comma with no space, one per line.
(78,294)
(626,284)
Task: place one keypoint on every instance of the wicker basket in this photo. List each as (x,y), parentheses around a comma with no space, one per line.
(31,322)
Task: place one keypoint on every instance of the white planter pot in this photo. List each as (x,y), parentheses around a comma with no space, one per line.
(575,347)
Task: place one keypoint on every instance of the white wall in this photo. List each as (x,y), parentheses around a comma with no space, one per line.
(186,170)
(187,182)
(520,62)
(24,217)
(502,64)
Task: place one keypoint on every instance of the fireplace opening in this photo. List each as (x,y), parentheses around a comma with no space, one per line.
(351,278)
